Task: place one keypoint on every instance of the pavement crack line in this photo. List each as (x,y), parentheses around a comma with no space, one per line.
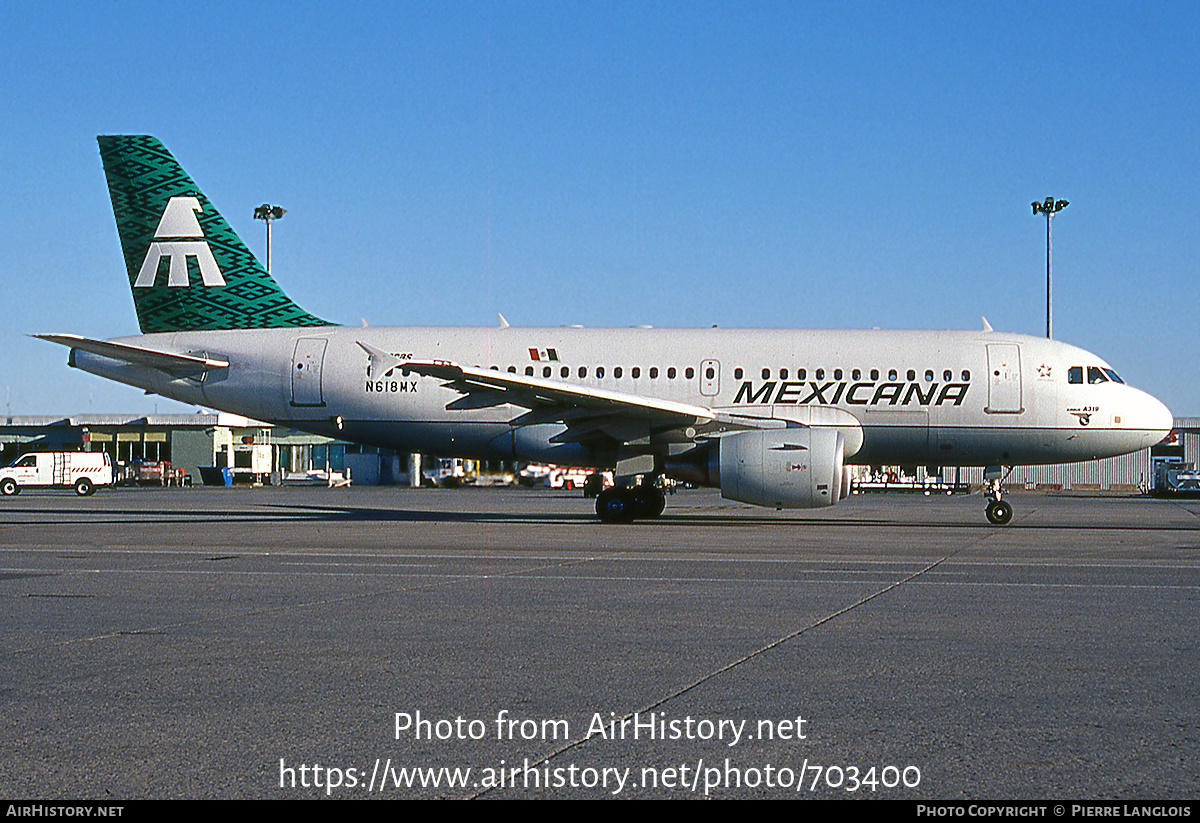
(682,690)
(1180,504)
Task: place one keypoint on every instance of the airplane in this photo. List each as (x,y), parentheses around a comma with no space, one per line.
(771,417)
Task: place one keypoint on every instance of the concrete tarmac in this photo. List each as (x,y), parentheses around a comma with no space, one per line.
(388,643)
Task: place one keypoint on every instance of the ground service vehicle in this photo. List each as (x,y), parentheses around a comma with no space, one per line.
(81,471)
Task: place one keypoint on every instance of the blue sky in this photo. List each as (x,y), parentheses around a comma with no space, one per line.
(804,165)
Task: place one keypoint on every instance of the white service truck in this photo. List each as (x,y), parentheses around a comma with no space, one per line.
(81,471)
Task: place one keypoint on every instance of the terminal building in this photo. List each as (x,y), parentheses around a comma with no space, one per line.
(259,452)
(252,451)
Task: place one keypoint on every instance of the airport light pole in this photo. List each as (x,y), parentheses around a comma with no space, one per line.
(1049,207)
(267,213)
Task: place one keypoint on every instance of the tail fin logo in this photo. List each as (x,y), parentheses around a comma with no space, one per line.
(179,221)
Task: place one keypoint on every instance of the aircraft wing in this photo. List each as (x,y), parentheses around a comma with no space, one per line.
(165,361)
(487,387)
(591,415)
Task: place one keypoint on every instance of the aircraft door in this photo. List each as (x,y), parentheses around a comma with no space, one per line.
(1004,378)
(710,377)
(307,363)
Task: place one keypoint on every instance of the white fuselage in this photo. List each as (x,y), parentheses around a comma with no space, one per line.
(901,397)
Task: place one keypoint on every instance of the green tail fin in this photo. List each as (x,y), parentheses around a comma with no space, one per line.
(187,268)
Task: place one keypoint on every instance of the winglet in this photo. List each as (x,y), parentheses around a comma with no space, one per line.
(986,325)
(503,322)
(380,361)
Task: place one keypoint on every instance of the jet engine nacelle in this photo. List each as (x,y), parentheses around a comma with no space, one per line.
(800,468)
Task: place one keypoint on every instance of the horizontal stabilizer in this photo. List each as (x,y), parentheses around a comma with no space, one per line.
(165,361)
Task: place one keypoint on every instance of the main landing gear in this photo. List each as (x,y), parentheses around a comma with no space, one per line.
(623,504)
(998,511)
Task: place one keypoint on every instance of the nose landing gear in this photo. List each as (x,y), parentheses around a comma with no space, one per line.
(998,511)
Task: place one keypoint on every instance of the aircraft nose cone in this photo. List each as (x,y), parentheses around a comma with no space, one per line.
(1155,417)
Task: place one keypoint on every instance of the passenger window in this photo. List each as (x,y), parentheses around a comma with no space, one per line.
(689,373)
(512,369)
(671,373)
(837,374)
(566,371)
(856,374)
(802,374)
(654,372)
(529,371)
(1096,376)
(783,374)
(820,374)
(709,373)
(617,372)
(1075,374)
(893,374)
(600,372)
(635,372)
(966,376)
(947,375)
(546,372)
(929,375)
(737,373)
(766,373)
(912,375)
(874,374)
(583,371)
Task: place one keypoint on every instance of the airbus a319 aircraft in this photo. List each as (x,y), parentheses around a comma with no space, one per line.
(771,417)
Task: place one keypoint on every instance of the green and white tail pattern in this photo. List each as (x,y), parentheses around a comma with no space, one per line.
(187,268)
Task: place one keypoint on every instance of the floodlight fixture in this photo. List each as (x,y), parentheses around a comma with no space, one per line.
(267,213)
(1049,207)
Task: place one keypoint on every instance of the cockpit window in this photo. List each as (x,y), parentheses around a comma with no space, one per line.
(1095,375)
(1112,375)
(1075,374)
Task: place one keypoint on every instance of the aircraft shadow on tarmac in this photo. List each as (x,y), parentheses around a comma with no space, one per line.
(671,517)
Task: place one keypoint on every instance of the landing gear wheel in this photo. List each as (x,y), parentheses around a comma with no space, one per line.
(9,487)
(84,487)
(648,501)
(593,485)
(615,506)
(999,512)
